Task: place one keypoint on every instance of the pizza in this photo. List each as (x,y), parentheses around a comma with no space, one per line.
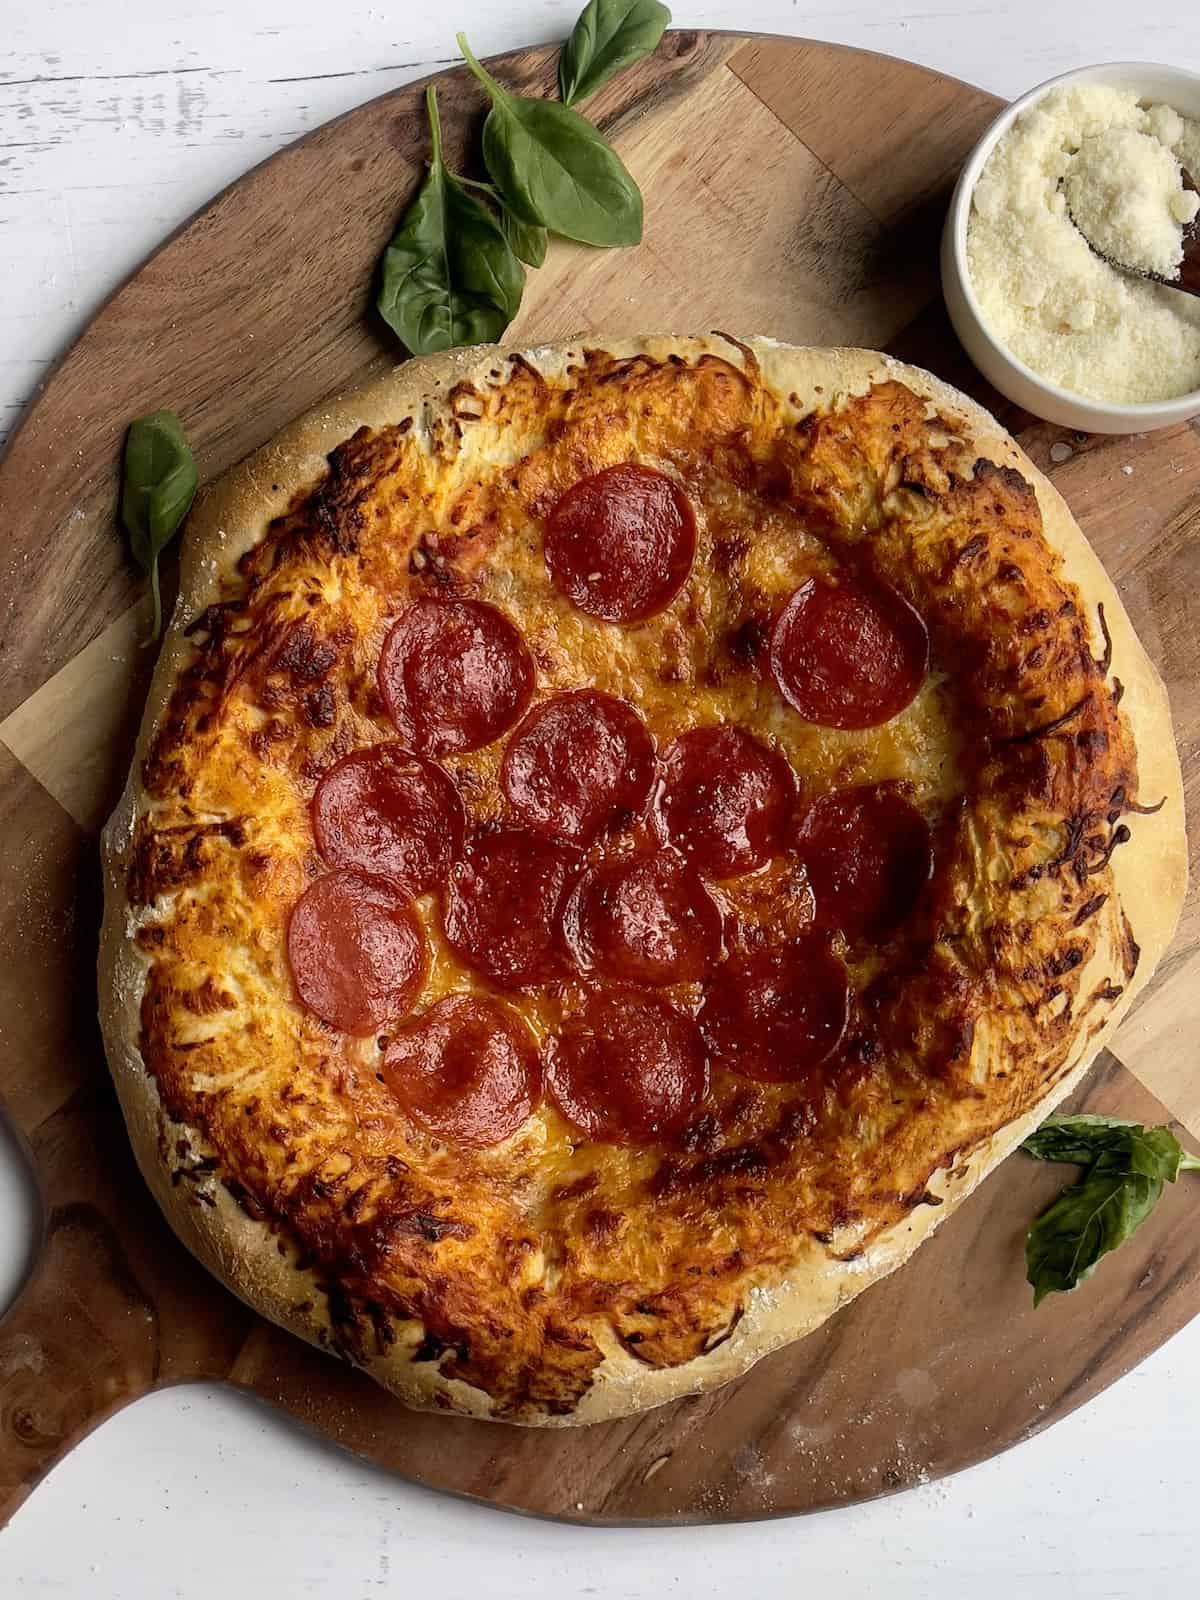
(624,837)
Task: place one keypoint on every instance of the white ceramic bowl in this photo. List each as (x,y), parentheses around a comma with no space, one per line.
(1172,86)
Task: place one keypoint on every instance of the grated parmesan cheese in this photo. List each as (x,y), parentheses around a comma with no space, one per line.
(1043,290)
(1126,196)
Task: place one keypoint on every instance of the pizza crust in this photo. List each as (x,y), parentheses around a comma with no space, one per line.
(248,1255)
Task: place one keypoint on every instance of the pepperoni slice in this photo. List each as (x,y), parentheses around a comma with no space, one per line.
(357,951)
(628,1068)
(620,544)
(467,1071)
(775,1014)
(578,764)
(867,853)
(847,656)
(390,813)
(454,675)
(648,921)
(504,906)
(725,800)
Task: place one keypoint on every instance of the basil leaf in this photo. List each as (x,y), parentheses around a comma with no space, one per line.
(525,239)
(1079,1139)
(1083,1139)
(1084,1224)
(158,486)
(1157,1153)
(554,170)
(449,276)
(1127,1167)
(609,36)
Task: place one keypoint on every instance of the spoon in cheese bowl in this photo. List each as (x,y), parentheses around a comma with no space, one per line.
(1136,206)
(1045,319)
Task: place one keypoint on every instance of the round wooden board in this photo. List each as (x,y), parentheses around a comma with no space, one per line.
(794,189)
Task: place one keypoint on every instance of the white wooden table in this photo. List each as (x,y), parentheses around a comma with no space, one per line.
(117,119)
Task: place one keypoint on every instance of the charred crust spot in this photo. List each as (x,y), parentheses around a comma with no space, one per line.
(465,402)
(729,552)
(1065,961)
(1092,742)
(433,1348)
(1088,909)
(198,1170)
(579,1189)
(216,619)
(320,707)
(166,858)
(989,474)
(1107,991)
(263,740)
(745,1161)
(424,1225)
(1120,835)
(242,1197)
(526,369)
(713,1341)
(208,999)
(920,1196)
(796,1122)
(1137,810)
(600,1225)
(302,655)
(1072,846)
(702,1135)
(745,643)
(667,1180)
(1045,729)
(427,560)
(1105,661)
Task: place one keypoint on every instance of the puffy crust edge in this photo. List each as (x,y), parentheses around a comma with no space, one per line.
(247,1255)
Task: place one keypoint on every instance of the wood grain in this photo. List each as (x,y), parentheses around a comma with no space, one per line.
(905,149)
(763,214)
(49,910)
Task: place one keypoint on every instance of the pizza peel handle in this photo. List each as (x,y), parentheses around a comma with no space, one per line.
(114,1306)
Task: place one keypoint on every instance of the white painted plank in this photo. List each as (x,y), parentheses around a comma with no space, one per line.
(200,1492)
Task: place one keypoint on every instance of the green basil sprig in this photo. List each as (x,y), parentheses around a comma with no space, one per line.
(157,489)
(452,273)
(449,276)
(554,170)
(609,36)
(1127,1165)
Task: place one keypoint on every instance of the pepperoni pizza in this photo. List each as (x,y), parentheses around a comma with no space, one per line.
(624,837)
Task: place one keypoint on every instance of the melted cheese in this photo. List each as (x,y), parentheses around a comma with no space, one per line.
(518,1253)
